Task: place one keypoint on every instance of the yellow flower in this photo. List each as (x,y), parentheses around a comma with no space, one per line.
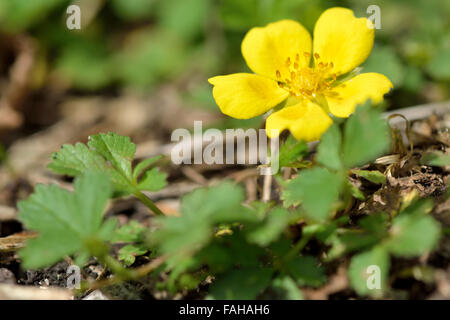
(289,66)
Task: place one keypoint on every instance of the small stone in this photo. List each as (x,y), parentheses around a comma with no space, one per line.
(7,276)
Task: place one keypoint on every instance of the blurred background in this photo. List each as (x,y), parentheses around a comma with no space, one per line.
(140,67)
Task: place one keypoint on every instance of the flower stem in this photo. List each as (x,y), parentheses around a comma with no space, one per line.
(149,203)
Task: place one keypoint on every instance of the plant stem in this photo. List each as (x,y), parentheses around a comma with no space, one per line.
(298,247)
(149,203)
(132,274)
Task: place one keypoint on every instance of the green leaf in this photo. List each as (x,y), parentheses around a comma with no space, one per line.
(128,253)
(366,136)
(185,18)
(268,231)
(286,288)
(375,223)
(144,164)
(306,271)
(201,210)
(111,154)
(413,232)
(133,10)
(385,60)
(156,53)
(242,284)
(368,272)
(318,191)
(354,191)
(437,159)
(119,150)
(218,204)
(74,160)
(373,176)
(130,232)
(329,149)
(374,230)
(291,151)
(17,15)
(63,219)
(153,180)
(439,66)
(86,64)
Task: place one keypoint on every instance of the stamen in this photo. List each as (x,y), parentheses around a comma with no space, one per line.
(288,62)
(306,82)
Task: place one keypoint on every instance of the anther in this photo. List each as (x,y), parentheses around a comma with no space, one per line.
(297,57)
(295,65)
(288,62)
(278,74)
(316,55)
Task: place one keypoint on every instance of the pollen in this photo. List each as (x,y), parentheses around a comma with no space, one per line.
(307,82)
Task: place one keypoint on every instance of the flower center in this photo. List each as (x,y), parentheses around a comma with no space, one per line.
(307,82)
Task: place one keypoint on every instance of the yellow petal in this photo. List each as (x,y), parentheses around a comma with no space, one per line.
(306,121)
(266,49)
(357,90)
(245,95)
(343,39)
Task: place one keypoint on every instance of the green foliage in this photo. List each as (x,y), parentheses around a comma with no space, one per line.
(247,250)
(270,228)
(128,253)
(241,284)
(64,220)
(291,151)
(413,232)
(306,271)
(155,55)
(133,234)
(373,176)
(384,60)
(316,189)
(251,251)
(329,149)
(185,18)
(359,271)
(86,64)
(190,232)
(17,15)
(111,154)
(286,288)
(439,66)
(133,9)
(437,159)
(366,136)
